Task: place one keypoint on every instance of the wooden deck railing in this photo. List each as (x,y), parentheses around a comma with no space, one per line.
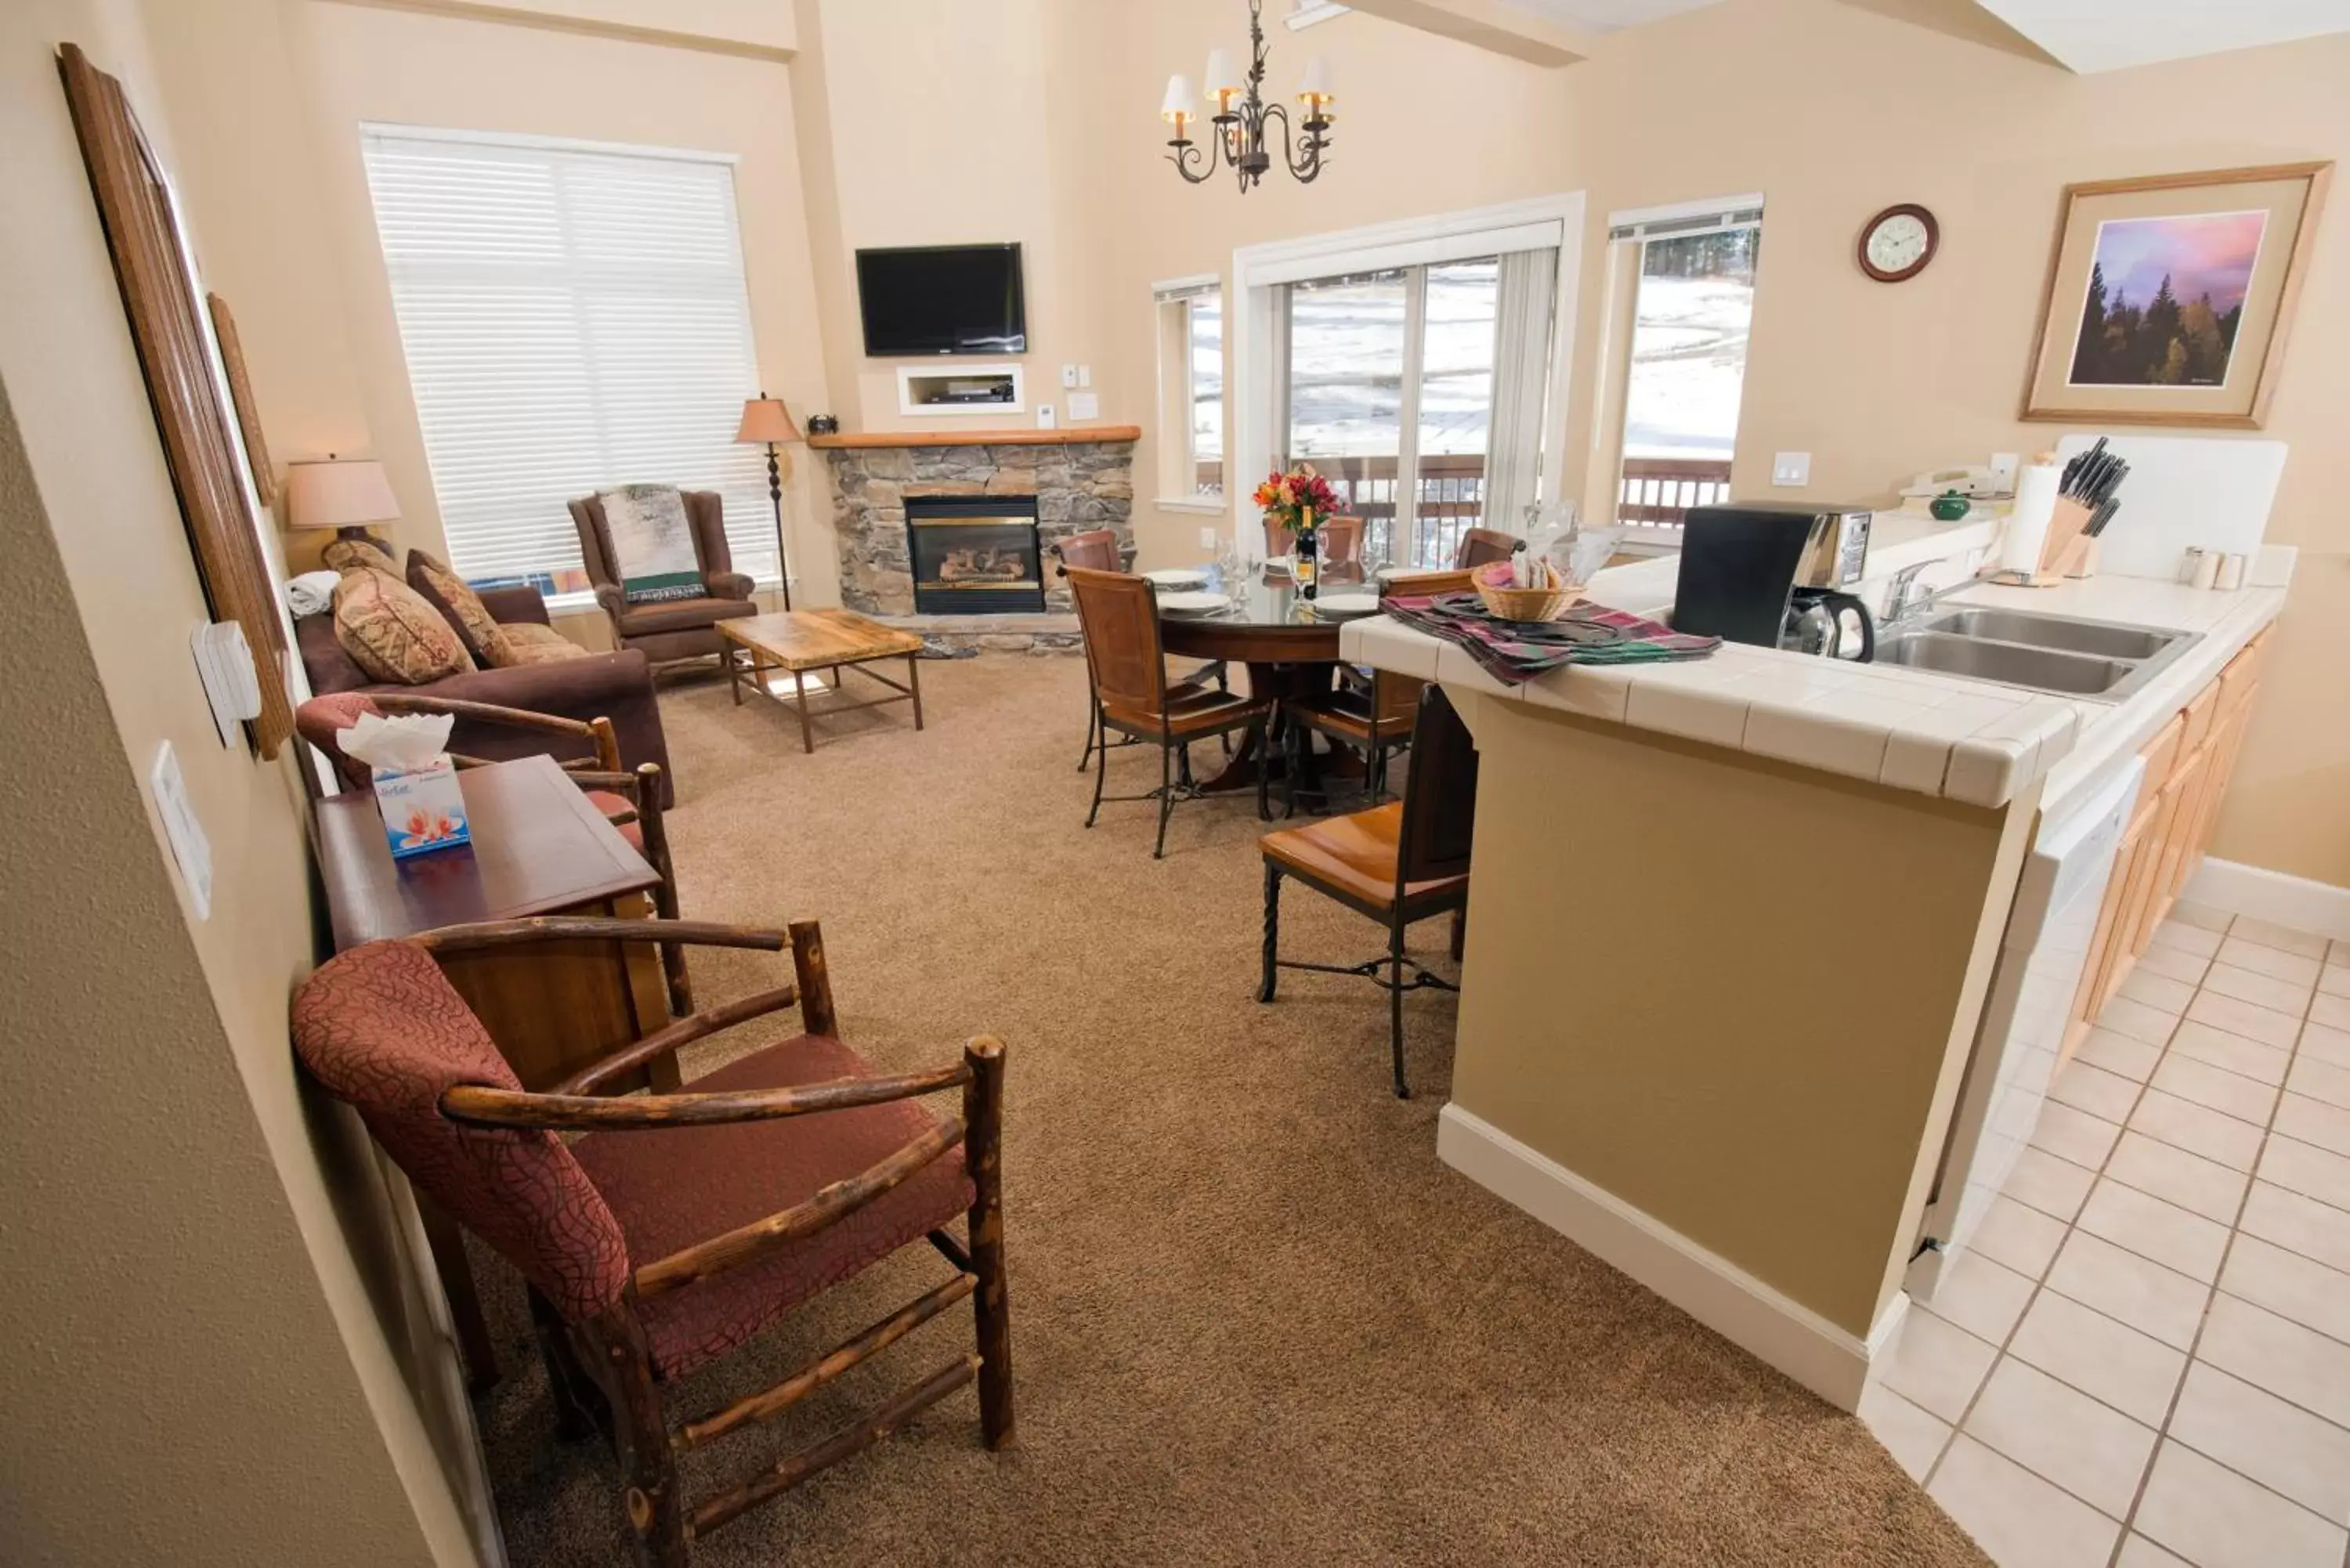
(1452,500)
(1661,489)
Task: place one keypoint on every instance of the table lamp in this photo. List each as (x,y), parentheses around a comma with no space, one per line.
(766,421)
(341,493)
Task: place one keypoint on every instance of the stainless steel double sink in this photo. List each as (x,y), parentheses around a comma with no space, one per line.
(2057,654)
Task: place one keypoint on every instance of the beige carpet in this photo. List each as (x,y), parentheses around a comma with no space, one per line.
(1254,1320)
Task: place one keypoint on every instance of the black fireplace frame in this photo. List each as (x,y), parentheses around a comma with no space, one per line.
(936,512)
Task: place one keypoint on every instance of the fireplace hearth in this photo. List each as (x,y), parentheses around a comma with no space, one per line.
(975,555)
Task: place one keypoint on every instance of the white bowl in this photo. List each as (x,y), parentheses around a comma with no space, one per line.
(1192,603)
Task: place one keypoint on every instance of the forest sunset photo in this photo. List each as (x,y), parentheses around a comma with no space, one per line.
(2165,296)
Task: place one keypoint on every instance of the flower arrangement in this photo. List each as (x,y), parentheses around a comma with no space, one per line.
(1298,499)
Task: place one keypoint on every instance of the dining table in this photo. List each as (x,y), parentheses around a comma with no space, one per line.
(1289,643)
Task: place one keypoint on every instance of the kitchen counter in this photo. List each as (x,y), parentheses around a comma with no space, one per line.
(1941,735)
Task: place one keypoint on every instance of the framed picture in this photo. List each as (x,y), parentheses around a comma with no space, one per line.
(2170,298)
(240,397)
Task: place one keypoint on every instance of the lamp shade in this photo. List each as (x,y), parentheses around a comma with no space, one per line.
(1317,79)
(338,493)
(1220,76)
(1180,104)
(767,419)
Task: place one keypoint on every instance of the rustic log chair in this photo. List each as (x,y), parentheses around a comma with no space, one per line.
(1119,614)
(654,1244)
(630,802)
(1482,547)
(1097,551)
(1396,863)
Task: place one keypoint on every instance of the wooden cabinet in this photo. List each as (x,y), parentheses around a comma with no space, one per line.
(2188,766)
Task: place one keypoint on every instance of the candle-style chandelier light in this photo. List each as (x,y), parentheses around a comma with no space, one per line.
(1240,131)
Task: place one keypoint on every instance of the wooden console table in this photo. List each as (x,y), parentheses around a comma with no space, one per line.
(540,847)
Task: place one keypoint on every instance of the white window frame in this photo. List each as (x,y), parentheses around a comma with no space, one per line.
(574,601)
(1175,413)
(1252,377)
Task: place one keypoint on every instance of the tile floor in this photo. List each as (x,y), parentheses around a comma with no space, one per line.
(2144,1359)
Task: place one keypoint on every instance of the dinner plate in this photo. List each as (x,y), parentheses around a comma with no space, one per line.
(1347,604)
(1279,563)
(1176,577)
(1192,603)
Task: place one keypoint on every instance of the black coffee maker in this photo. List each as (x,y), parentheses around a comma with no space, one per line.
(1772,574)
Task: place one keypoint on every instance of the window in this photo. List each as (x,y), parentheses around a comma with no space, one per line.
(574,317)
(1191,392)
(1687,282)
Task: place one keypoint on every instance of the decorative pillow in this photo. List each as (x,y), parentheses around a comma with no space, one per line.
(531,643)
(461,607)
(391,633)
(348,555)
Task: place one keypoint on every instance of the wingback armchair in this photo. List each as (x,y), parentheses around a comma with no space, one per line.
(669,629)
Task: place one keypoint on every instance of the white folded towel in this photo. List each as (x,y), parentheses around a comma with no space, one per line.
(311,593)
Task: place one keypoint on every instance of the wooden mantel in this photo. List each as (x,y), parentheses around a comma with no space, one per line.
(1074,436)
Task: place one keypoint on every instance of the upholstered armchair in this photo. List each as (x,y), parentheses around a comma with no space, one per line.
(669,629)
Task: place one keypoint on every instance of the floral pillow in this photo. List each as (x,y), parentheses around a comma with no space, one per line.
(447,592)
(349,554)
(392,633)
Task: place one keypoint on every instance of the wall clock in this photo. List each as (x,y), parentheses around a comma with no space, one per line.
(1897,243)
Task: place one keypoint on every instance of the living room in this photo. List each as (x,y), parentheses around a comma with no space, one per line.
(1265,1307)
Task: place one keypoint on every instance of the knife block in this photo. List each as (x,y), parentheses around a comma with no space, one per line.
(2061,551)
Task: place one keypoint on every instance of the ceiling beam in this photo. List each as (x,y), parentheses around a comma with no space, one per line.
(1487,25)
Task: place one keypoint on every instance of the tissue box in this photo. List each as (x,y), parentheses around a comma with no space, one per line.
(423,809)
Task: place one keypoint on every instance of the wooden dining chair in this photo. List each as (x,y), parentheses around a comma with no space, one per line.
(630,802)
(682,1226)
(1482,547)
(1097,550)
(1374,717)
(1397,864)
(1119,613)
(1341,548)
(1405,585)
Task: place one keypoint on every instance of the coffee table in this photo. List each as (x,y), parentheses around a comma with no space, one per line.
(796,642)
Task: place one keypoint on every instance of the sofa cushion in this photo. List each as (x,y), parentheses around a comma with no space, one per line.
(533,644)
(681,614)
(348,555)
(461,607)
(391,631)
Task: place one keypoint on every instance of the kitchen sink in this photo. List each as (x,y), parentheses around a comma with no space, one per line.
(2051,653)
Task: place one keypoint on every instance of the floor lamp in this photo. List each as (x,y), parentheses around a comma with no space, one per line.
(766,421)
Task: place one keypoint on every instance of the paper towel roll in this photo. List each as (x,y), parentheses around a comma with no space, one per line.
(2027,524)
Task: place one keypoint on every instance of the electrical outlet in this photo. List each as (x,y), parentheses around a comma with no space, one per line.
(1207,538)
(1791,468)
(2004,465)
(1085,374)
(1048,417)
(1068,376)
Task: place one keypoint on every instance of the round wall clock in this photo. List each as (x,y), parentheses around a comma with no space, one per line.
(1897,243)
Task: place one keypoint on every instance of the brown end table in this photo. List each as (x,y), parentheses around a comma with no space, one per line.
(797,642)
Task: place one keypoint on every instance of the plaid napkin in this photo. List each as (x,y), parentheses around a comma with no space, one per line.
(1515,652)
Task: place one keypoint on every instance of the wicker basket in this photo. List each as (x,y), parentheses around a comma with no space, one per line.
(1507,603)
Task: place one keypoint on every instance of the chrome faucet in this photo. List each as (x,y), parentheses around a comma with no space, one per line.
(1905,600)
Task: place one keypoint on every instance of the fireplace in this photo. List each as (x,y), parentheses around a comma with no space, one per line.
(975,555)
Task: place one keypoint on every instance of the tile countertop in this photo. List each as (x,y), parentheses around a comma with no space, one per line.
(1907,729)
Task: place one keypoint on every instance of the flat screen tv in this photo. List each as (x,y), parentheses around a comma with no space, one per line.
(943,300)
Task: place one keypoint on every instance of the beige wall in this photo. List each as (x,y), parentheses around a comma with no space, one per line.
(1834,112)
(210,1331)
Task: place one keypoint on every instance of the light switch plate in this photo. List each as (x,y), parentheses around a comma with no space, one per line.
(1085,374)
(1048,417)
(1207,538)
(1084,406)
(1068,375)
(2005,465)
(1791,468)
(190,850)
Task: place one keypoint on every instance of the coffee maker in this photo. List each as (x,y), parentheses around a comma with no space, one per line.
(1772,574)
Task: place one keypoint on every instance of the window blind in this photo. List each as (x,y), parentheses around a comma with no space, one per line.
(1679,224)
(574,318)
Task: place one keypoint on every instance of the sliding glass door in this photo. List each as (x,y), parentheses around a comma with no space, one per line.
(1387,386)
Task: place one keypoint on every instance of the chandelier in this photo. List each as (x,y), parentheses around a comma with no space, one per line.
(1240,131)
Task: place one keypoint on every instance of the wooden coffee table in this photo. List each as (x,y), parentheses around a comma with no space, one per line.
(796,642)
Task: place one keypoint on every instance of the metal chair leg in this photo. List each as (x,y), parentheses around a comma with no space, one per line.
(1395,1005)
(1261,737)
(1272,929)
(1093,730)
(1166,796)
(1101,775)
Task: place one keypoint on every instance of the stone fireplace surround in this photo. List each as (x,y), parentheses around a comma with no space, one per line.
(1082,478)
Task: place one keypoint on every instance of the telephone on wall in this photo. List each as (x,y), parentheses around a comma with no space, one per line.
(1972,481)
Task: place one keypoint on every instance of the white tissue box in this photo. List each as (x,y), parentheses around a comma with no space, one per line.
(423,808)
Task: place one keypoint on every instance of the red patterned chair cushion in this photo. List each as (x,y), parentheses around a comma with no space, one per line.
(611,806)
(321,719)
(382,1028)
(673,1188)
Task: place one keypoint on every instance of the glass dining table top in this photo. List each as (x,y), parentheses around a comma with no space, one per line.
(1260,596)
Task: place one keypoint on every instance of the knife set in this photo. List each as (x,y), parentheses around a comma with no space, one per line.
(2052,531)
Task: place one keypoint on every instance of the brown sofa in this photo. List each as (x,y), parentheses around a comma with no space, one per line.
(615,686)
(670,629)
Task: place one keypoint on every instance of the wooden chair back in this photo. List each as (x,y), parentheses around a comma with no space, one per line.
(1119,614)
(1414,584)
(1440,796)
(1482,547)
(1395,701)
(1095,550)
(1342,545)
